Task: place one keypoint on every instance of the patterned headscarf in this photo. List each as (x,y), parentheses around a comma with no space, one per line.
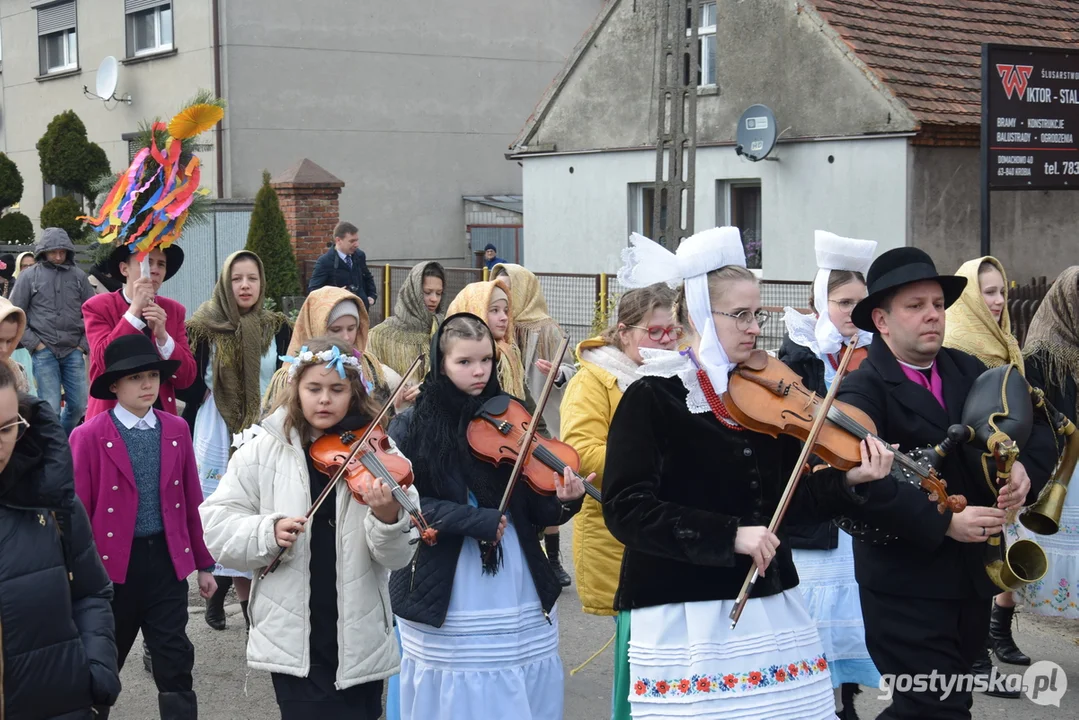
(476,299)
(239,341)
(398,339)
(970,327)
(1054,331)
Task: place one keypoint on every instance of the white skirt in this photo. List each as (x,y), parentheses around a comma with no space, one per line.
(212,442)
(685,661)
(495,656)
(1057,594)
(826,581)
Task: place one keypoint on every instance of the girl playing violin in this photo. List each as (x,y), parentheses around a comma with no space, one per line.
(824,556)
(324,662)
(476,611)
(689,493)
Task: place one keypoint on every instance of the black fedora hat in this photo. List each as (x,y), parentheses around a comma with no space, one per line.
(127,355)
(894,269)
(174,260)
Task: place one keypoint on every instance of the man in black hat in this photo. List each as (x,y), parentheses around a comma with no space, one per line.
(137,308)
(925,594)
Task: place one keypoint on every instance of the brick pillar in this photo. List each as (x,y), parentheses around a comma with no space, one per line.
(309,198)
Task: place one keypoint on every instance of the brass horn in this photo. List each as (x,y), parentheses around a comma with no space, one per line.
(1043,517)
(1023,562)
(1000,412)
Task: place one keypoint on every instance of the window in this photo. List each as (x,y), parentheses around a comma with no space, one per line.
(739,204)
(58,48)
(642,205)
(149,26)
(706,45)
(55,191)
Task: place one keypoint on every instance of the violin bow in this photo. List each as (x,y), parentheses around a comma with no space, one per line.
(356,447)
(526,442)
(796,475)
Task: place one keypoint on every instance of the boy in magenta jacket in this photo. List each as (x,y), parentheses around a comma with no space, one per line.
(135,473)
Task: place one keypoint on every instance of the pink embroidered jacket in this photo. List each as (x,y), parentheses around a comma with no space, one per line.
(104,318)
(105,482)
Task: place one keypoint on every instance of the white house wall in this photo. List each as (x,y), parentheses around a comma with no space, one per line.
(577,206)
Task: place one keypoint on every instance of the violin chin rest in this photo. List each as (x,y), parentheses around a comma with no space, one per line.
(757,360)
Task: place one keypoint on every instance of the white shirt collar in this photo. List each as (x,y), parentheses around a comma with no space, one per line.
(131,421)
(123,291)
(342,255)
(916,367)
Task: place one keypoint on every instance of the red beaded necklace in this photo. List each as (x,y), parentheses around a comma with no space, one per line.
(718,408)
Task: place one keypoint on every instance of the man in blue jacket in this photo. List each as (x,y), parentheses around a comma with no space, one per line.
(345,266)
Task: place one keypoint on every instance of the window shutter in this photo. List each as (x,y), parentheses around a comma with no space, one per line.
(54,18)
(134,6)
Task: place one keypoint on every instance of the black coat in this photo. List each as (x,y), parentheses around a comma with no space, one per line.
(421,591)
(817,536)
(676,488)
(923,561)
(1061,398)
(331,270)
(59,647)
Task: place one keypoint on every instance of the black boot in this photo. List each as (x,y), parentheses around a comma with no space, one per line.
(847,692)
(551,543)
(1000,636)
(147,662)
(178,706)
(243,609)
(215,606)
(984,666)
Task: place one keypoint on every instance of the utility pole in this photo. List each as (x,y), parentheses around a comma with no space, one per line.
(677,77)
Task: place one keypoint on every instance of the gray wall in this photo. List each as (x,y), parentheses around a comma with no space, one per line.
(159,87)
(1033,233)
(412,105)
(775,52)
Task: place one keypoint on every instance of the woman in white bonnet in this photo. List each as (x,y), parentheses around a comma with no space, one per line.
(823,555)
(690,492)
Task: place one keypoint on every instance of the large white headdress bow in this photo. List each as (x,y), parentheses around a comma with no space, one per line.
(647,263)
(837,253)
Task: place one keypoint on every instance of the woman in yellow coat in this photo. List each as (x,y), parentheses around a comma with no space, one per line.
(609,364)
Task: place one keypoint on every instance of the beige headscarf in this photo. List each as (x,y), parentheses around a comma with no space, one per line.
(18,262)
(970,326)
(311,323)
(1054,331)
(398,339)
(476,298)
(239,340)
(537,333)
(7,311)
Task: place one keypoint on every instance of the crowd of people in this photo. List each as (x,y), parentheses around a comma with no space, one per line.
(440,593)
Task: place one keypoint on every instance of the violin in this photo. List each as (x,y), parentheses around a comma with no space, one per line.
(766,396)
(331,453)
(857,358)
(364,459)
(497,433)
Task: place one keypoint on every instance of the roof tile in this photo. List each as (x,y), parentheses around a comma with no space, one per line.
(929,51)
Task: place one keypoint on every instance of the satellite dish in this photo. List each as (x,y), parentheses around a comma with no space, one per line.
(756,133)
(107,74)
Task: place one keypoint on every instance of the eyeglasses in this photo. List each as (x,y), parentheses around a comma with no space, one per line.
(14,430)
(745,318)
(660,334)
(844,305)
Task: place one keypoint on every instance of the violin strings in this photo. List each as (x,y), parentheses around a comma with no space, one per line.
(541,453)
(846,422)
(372,463)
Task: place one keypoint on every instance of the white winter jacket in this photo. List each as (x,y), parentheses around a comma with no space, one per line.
(267,479)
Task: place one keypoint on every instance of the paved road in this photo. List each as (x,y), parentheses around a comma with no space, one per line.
(229,691)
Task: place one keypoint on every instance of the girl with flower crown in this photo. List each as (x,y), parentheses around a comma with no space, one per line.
(689,492)
(321,623)
(476,611)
